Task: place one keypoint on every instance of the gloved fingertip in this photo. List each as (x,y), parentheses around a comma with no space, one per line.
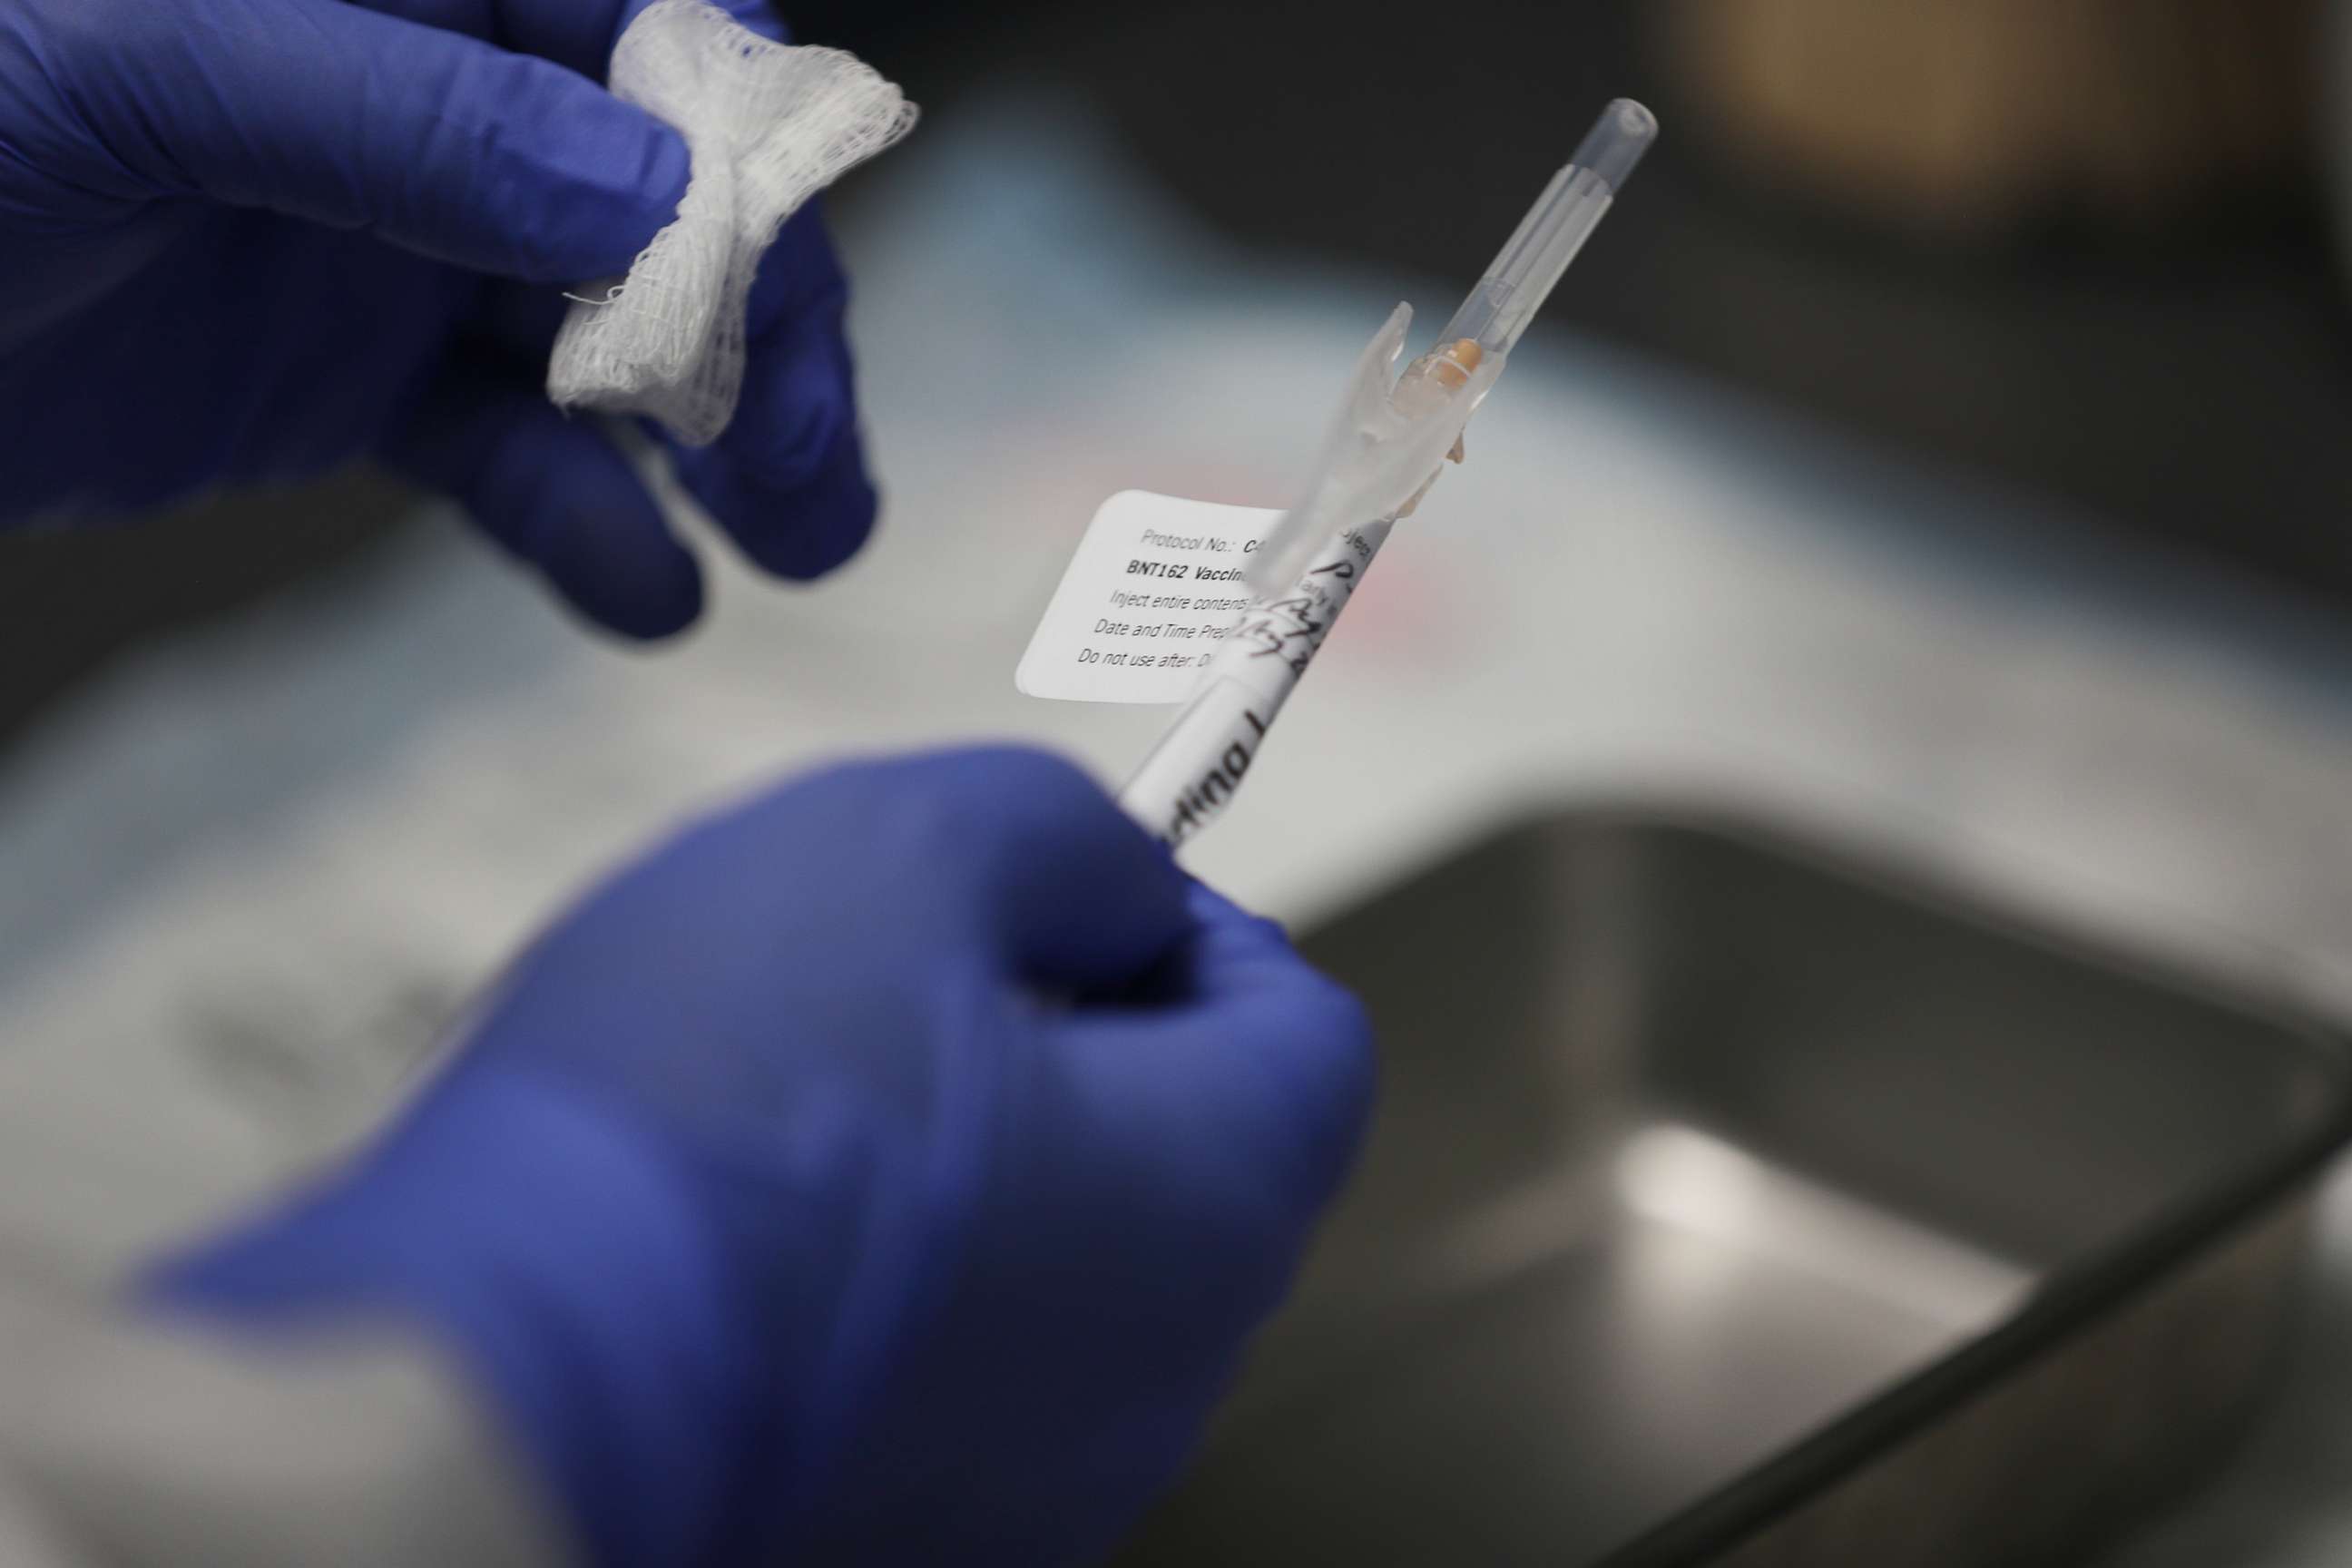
(1215,913)
(801,531)
(627,578)
(1242,978)
(557,494)
(1338,1050)
(608,178)
(582,517)
(1083,896)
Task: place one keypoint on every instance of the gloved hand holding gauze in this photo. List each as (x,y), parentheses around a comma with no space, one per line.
(768,125)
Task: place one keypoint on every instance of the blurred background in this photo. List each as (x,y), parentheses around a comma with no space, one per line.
(1943,452)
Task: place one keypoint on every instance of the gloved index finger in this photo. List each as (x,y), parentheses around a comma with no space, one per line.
(1040,862)
(576,34)
(440,143)
(1239,1028)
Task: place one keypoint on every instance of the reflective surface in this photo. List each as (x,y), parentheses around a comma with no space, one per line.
(1688,1148)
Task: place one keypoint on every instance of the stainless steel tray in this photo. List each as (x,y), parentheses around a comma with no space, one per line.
(1731,1204)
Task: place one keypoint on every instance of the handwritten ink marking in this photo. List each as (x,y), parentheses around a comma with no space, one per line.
(1207,796)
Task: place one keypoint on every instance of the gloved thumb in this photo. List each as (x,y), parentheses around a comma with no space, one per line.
(439,144)
(1251,1054)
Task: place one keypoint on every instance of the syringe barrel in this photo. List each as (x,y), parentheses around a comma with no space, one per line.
(1616,142)
(1530,263)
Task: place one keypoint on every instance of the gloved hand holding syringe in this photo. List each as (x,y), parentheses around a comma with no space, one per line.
(1388,449)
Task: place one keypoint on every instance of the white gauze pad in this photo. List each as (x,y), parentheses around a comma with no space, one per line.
(768,125)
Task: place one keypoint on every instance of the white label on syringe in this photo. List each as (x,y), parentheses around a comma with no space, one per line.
(1153,591)
(1280,637)
(1191,775)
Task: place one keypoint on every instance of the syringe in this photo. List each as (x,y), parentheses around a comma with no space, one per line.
(1388,449)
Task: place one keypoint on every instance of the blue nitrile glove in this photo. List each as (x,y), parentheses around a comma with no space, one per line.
(889,1170)
(247,240)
